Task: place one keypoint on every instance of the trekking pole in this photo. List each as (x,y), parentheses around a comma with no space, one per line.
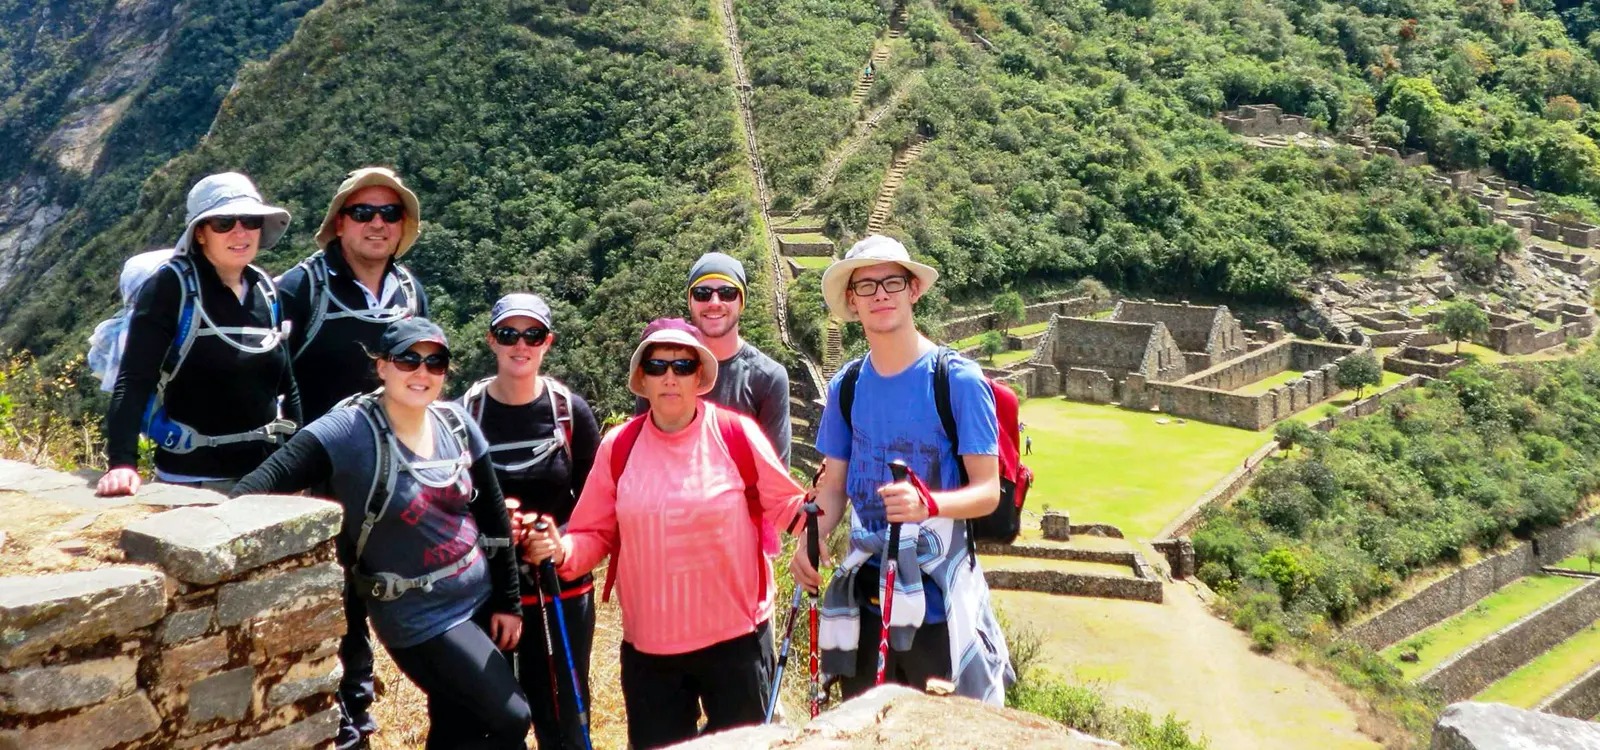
(891,566)
(566,641)
(783,655)
(544,619)
(814,552)
(514,513)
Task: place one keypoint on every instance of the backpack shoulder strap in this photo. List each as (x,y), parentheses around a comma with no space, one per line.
(627,436)
(269,289)
(455,424)
(847,388)
(382,490)
(408,284)
(189,302)
(316,296)
(941,401)
(474,397)
(561,404)
(743,455)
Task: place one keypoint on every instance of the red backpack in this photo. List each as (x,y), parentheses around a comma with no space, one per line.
(738,443)
(1005,522)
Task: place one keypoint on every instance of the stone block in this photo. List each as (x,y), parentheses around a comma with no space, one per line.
(46,689)
(187,625)
(207,545)
(310,732)
(1057,526)
(182,665)
(1495,726)
(207,739)
(299,630)
(222,696)
(41,613)
(100,727)
(237,602)
(305,679)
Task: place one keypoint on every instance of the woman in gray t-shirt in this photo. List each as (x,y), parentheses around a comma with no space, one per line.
(425,533)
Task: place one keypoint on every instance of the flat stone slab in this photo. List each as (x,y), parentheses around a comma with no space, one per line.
(1496,726)
(103,726)
(237,602)
(43,690)
(41,613)
(211,544)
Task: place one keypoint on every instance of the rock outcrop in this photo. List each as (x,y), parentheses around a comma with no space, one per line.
(893,717)
(1495,726)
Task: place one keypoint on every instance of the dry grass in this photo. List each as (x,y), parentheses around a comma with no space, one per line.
(46,537)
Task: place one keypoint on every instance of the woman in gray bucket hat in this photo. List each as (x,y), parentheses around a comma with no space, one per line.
(205,373)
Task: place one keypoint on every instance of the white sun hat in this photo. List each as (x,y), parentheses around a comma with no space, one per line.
(870,251)
(230,194)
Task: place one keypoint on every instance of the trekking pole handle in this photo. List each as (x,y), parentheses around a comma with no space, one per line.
(813,536)
(899,470)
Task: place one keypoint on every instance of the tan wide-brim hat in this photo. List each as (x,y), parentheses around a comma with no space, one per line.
(410,226)
(870,251)
(672,332)
(230,194)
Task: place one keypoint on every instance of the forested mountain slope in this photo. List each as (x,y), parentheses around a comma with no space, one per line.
(589,149)
(582,151)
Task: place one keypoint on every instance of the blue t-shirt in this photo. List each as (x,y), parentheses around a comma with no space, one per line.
(896,417)
(423,529)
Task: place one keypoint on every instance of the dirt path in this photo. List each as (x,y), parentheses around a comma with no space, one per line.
(1179,658)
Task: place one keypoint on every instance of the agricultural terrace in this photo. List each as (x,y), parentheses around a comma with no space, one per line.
(1495,611)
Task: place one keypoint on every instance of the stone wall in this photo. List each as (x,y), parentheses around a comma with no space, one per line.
(1413,360)
(1076,584)
(220,629)
(1221,493)
(1468,672)
(1207,335)
(1526,338)
(1461,589)
(1579,699)
(800,248)
(1092,386)
(1412,337)
(1264,119)
(1116,348)
(1066,306)
(1209,396)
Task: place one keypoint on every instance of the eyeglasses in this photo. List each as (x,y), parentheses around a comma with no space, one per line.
(869,287)
(363,212)
(704,293)
(409,361)
(224,224)
(655,368)
(507,336)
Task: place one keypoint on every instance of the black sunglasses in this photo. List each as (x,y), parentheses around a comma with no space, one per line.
(507,336)
(409,361)
(704,293)
(363,212)
(655,368)
(223,224)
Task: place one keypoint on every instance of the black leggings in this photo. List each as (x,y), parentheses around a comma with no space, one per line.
(663,694)
(473,697)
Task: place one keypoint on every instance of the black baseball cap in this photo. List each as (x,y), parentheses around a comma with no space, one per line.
(408,332)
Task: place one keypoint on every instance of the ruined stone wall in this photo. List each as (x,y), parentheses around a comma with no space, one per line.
(1066,306)
(1413,360)
(792,246)
(1092,386)
(1524,337)
(1115,347)
(1258,365)
(1579,699)
(1468,672)
(1461,589)
(221,629)
(1212,331)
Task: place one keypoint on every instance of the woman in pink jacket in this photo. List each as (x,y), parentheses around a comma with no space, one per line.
(685,499)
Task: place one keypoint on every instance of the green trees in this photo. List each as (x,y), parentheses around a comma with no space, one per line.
(1358,371)
(1461,321)
(991,344)
(1010,310)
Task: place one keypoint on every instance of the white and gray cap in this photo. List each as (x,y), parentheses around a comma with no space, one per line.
(521,303)
(230,194)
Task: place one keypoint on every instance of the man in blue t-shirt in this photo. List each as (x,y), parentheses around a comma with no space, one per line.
(893,416)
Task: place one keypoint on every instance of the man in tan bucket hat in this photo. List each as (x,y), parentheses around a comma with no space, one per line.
(338,302)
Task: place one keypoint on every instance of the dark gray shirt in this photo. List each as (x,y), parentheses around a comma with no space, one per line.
(754,384)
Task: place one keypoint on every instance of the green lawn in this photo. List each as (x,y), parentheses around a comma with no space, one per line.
(1009,357)
(1103,464)
(1029,330)
(811,261)
(807,238)
(1268,383)
(1479,621)
(1537,679)
(1345,398)
(1576,562)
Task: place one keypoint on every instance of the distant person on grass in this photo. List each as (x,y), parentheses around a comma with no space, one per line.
(205,362)
(420,499)
(1027,445)
(542,440)
(941,618)
(338,301)
(748,381)
(693,494)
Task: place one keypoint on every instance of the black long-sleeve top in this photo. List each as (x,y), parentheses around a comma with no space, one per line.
(417,532)
(334,365)
(219,390)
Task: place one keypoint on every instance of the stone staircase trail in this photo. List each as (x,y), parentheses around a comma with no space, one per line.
(859,135)
(775,265)
(832,350)
(883,207)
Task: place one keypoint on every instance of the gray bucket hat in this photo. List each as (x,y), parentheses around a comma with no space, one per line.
(230,194)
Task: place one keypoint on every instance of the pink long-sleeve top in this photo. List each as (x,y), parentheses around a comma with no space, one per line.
(689,572)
